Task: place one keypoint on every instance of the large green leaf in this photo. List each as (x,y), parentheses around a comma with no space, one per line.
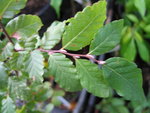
(34,65)
(64,72)
(83,26)
(3,76)
(7,51)
(141,6)
(8,105)
(125,78)
(24,26)
(56,5)
(107,38)
(8,8)
(18,89)
(53,35)
(92,78)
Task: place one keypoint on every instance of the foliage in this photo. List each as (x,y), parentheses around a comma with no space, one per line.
(27,58)
(136,33)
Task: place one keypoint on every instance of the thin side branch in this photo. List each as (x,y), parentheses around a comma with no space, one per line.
(5,32)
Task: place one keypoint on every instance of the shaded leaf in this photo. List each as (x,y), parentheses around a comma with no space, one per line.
(141,6)
(107,38)
(64,72)
(53,35)
(8,8)
(92,78)
(142,48)
(56,5)
(83,26)
(125,78)
(128,49)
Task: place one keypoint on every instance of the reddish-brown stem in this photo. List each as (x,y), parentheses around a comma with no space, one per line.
(73,55)
(5,32)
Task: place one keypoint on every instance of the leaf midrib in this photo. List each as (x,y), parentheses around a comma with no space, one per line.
(131,85)
(74,38)
(106,39)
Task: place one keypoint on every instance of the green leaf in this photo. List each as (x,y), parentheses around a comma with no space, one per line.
(64,72)
(16,61)
(34,65)
(133,18)
(8,8)
(107,38)
(53,35)
(24,26)
(42,92)
(83,26)
(56,5)
(125,78)
(30,43)
(8,105)
(18,89)
(128,49)
(113,105)
(7,51)
(3,76)
(92,78)
(142,48)
(141,6)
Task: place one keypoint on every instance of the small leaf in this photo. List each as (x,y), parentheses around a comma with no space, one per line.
(30,43)
(125,78)
(141,6)
(3,76)
(83,26)
(16,61)
(18,89)
(24,26)
(8,8)
(56,5)
(53,35)
(142,48)
(34,65)
(8,105)
(64,72)
(107,38)
(7,51)
(92,78)
(128,49)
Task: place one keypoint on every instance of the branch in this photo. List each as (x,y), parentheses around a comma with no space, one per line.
(5,32)
(75,56)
